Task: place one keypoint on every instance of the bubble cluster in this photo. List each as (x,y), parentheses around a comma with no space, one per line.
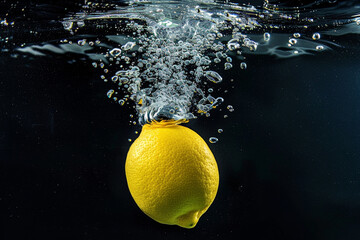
(168,67)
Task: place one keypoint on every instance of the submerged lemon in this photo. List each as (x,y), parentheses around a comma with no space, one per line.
(172,174)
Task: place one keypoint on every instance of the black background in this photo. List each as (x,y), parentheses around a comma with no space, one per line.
(289,157)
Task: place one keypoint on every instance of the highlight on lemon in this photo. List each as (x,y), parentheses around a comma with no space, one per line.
(171,173)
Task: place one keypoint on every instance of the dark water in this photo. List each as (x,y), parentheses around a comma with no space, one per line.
(289,156)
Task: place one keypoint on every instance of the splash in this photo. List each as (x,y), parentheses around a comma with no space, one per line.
(169,64)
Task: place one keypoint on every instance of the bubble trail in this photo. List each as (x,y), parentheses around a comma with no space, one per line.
(168,64)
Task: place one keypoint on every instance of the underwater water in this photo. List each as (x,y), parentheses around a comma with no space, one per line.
(273,87)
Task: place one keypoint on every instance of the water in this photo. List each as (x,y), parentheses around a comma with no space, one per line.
(275,84)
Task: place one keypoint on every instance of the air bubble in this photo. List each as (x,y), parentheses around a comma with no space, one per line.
(213,76)
(82,42)
(357,20)
(319,48)
(292,41)
(228,66)
(68,25)
(213,140)
(128,46)
(243,65)
(220,130)
(230,108)
(115,52)
(81,23)
(121,102)
(316,36)
(110,93)
(114,78)
(297,35)
(266,36)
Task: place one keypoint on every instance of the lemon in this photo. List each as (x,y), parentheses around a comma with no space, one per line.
(172,174)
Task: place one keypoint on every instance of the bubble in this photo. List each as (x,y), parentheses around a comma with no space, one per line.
(68,25)
(220,130)
(297,35)
(115,52)
(114,78)
(266,36)
(80,23)
(219,55)
(128,46)
(243,65)
(230,108)
(228,66)
(213,76)
(82,42)
(316,36)
(4,22)
(250,44)
(94,64)
(233,44)
(122,73)
(121,102)
(319,48)
(357,20)
(213,140)
(292,41)
(110,93)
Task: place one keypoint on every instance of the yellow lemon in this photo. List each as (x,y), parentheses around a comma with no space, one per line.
(172,174)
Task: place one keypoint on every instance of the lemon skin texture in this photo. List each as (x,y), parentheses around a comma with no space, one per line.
(171,174)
